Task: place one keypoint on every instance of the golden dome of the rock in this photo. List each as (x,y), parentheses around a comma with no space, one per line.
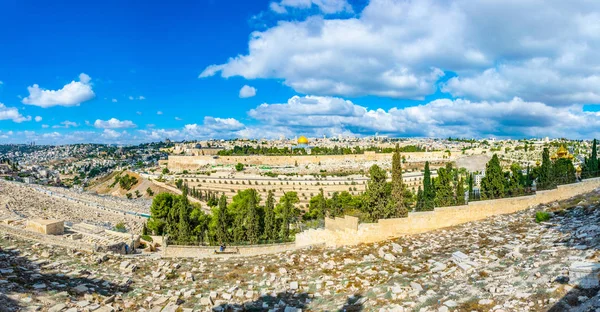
(302,140)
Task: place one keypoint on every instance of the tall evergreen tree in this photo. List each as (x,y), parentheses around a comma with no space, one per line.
(428,190)
(322,205)
(444,194)
(592,164)
(335,206)
(492,185)
(286,209)
(252,222)
(460,192)
(564,171)
(270,225)
(514,186)
(420,199)
(377,195)
(545,176)
(222,221)
(184,227)
(471,181)
(398,189)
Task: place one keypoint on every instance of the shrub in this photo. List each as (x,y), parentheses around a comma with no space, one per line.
(146,238)
(541,216)
(120,227)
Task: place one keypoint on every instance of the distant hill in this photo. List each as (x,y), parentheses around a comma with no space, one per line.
(107,186)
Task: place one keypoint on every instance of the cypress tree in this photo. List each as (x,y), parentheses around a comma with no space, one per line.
(428,191)
(252,224)
(222,221)
(546,177)
(336,209)
(184,217)
(444,195)
(321,205)
(270,226)
(420,199)
(460,192)
(492,185)
(592,163)
(286,212)
(377,194)
(471,181)
(398,189)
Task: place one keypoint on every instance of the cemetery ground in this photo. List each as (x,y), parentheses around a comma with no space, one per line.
(503,263)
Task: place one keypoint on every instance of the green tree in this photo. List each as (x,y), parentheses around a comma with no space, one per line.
(515,181)
(317,207)
(444,187)
(591,165)
(184,230)
(492,185)
(239,167)
(270,231)
(252,222)
(420,199)
(470,182)
(460,192)
(564,171)
(377,195)
(397,202)
(428,190)
(287,214)
(222,221)
(159,211)
(335,206)
(545,174)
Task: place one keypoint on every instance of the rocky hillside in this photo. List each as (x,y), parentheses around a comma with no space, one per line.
(109,186)
(504,263)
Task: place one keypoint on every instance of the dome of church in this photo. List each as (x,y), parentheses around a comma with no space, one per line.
(302,140)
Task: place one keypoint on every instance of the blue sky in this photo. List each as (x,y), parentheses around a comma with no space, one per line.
(137,71)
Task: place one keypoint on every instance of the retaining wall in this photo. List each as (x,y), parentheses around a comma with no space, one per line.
(340,231)
(180,163)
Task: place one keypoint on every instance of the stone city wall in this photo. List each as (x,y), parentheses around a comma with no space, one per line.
(339,231)
(346,222)
(175,251)
(180,163)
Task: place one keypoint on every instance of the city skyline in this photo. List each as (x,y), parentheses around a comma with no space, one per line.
(127,73)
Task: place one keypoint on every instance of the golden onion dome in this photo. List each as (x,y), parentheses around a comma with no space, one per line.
(302,140)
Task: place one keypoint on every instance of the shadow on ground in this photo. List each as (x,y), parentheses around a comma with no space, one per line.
(290,302)
(581,221)
(20,276)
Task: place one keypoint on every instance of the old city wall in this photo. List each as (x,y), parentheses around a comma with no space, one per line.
(174,251)
(339,231)
(180,163)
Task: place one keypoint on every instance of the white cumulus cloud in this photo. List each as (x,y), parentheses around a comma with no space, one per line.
(325,6)
(247,91)
(539,51)
(113,123)
(12,113)
(72,94)
(38,118)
